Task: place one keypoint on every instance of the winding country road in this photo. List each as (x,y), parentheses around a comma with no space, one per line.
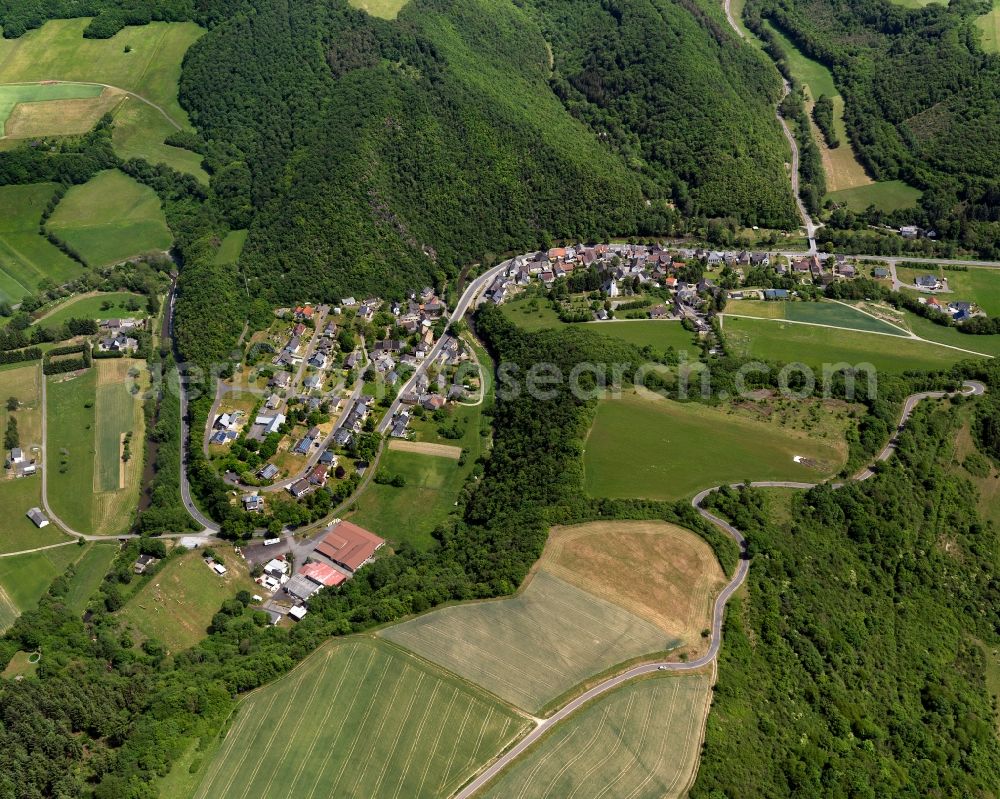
(807,220)
(739,576)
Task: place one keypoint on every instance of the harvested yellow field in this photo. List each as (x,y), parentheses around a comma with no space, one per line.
(425,448)
(658,571)
(60,117)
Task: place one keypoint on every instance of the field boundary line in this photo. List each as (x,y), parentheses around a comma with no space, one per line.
(138,96)
(872,316)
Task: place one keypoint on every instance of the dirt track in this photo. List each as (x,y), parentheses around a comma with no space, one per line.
(441,450)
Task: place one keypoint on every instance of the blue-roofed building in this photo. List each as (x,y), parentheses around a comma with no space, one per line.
(775,294)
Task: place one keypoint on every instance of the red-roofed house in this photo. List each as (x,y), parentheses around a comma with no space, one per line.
(349,546)
(322,574)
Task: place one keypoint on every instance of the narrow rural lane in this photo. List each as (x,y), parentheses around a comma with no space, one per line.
(807,220)
(739,576)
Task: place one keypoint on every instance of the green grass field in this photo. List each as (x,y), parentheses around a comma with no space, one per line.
(114,418)
(537,314)
(412,512)
(640,741)
(818,313)
(23,664)
(89,571)
(535,646)
(71,448)
(58,51)
(111,218)
(989,25)
(987,345)
(774,341)
(387,9)
(26,258)
(231,247)
(24,578)
(659,449)
(176,606)
(12,95)
(90,307)
(140,131)
(979,285)
(889,195)
(358,718)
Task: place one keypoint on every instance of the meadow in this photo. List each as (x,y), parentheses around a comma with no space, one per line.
(980,285)
(91,306)
(926,329)
(640,741)
(642,445)
(412,512)
(386,9)
(177,604)
(27,258)
(151,69)
(88,573)
(773,341)
(111,218)
(231,247)
(25,578)
(818,313)
(846,179)
(71,449)
(658,571)
(537,314)
(358,718)
(12,95)
(889,195)
(989,26)
(533,647)
(59,51)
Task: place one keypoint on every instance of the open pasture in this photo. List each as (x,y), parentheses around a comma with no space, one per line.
(658,571)
(27,258)
(91,306)
(642,445)
(386,9)
(658,334)
(111,218)
(231,247)
(140,131)
(989,26)
(88,572)
(38,94)
(358,718)
(814,346)
(410,513)
(889,195)
(58,51)
(535,646)
(640,741)
(177,604)
(71,447)
(833,314)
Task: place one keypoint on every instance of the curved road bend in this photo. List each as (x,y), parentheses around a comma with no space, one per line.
(718,613)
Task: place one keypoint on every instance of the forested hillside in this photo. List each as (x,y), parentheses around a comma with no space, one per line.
(855,666)
(922,100)
(380,155)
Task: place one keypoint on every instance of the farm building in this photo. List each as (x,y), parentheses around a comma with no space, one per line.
(322,574)
(36,515)
(143,563)
(301,587)
(349,546)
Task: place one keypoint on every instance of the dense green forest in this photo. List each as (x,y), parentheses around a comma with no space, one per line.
(855,665)
(922,101)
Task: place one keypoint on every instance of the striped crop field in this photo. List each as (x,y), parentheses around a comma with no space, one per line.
(641,741)
(358,718)
(535,646)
